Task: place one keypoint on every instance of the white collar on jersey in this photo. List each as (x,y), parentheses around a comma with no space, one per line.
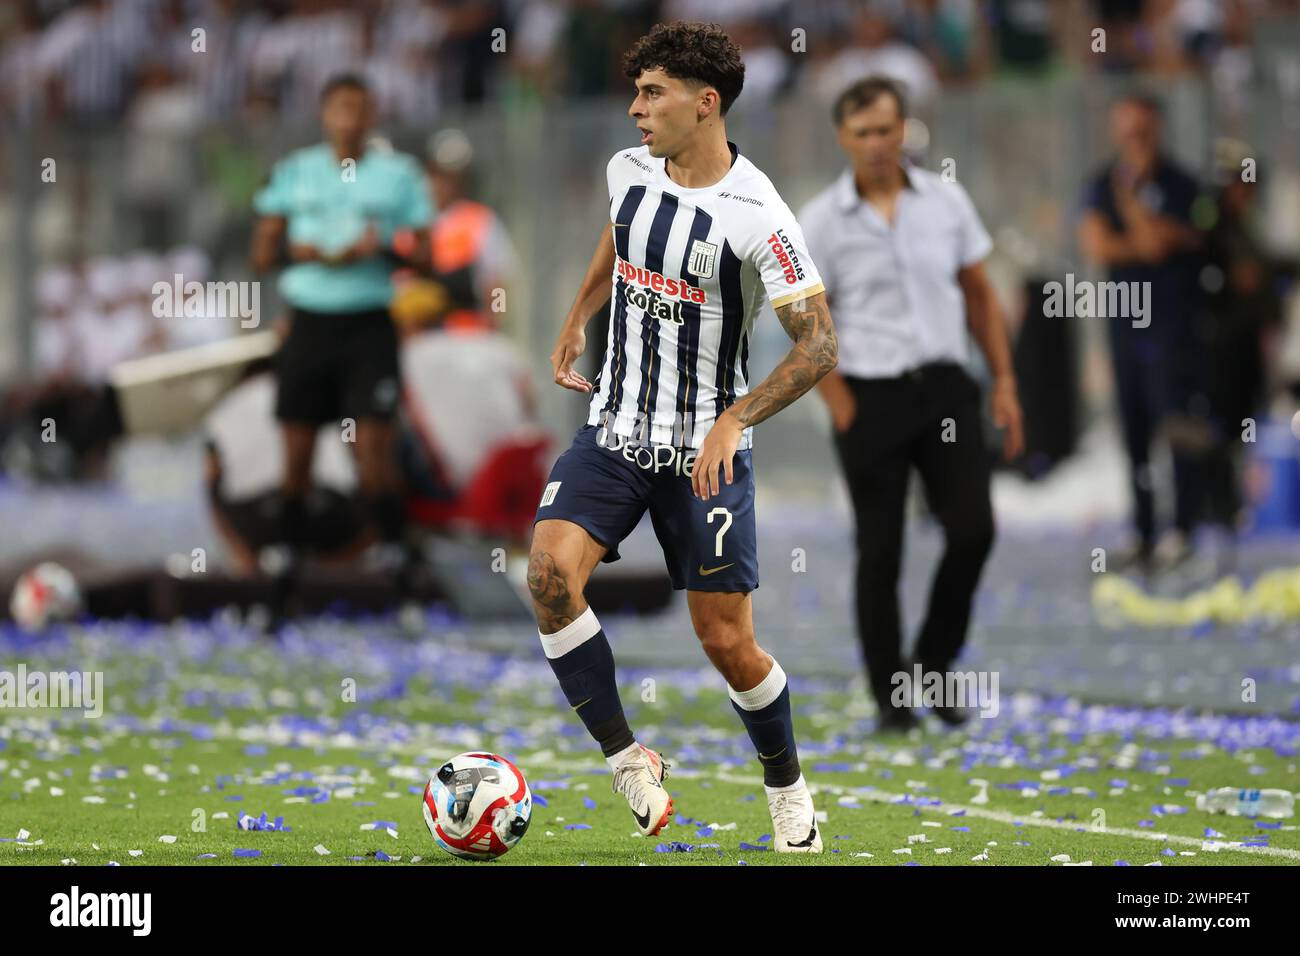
(735,156)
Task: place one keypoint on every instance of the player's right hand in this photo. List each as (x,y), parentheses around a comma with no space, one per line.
(571,344)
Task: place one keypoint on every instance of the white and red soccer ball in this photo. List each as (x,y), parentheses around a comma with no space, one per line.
(477,806)
(44,594)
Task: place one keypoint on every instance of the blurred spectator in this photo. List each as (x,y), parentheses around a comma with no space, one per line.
(88,57)
(471,449)
(245,469)
(22,86)
(1022,33)
(1243,305)
(83,61)
(1137,223)
(874,48)
(952,34)
(767,68)
(471,249)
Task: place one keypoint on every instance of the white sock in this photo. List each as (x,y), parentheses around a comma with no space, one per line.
(797,785)
(766,691)
(615,759)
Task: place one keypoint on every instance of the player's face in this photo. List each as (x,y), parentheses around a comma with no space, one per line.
(345,115)
(666,111)
(873,137)
(1135,130)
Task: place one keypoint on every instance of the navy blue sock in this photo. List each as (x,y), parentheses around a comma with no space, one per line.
(582,659)
(765,711)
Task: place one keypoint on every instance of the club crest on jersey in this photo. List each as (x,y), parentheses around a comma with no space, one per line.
(701,259)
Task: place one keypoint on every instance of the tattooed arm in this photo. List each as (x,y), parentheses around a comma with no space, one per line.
(816,350)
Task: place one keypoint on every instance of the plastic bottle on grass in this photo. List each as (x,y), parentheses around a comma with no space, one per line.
(1248,803)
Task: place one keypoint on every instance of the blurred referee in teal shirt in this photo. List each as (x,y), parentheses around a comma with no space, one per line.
(337,205)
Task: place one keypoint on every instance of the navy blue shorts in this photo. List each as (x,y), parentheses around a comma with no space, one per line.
(606,488)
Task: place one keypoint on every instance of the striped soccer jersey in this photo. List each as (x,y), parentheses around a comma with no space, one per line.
(692,270)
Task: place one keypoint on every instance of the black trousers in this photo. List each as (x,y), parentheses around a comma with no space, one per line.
(1152,383)
(928,419)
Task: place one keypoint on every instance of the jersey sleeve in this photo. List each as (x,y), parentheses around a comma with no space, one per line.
(615,175)
(817,231)
(782,259)
(276,197)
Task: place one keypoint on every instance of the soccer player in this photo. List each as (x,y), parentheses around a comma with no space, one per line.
(338,204)
(697,239)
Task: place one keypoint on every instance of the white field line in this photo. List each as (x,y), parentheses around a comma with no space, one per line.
(1002,816)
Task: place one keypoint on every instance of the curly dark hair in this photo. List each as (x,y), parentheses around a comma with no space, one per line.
(696,52)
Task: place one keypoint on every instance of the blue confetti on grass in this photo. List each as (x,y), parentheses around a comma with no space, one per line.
(578,826)
(246,822)
(589,803)
(753,846)
(674,847)
(248,853)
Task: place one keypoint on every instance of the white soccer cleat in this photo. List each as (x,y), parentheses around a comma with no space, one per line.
(640,779)
(794,821)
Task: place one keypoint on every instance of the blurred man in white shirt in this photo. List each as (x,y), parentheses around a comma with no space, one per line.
(901,252)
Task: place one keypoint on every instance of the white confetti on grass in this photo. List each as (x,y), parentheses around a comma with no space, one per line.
(320,849)
(391,832)
(1061,858)
(981,857)
(93,799)
(167,838)
(136,852)
(943,849)
(23,835)
(221,815)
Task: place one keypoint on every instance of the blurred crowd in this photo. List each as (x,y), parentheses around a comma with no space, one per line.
(96,63)
(92,316)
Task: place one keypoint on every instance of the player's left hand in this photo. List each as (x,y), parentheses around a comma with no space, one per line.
(1005,406)
(716,454)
